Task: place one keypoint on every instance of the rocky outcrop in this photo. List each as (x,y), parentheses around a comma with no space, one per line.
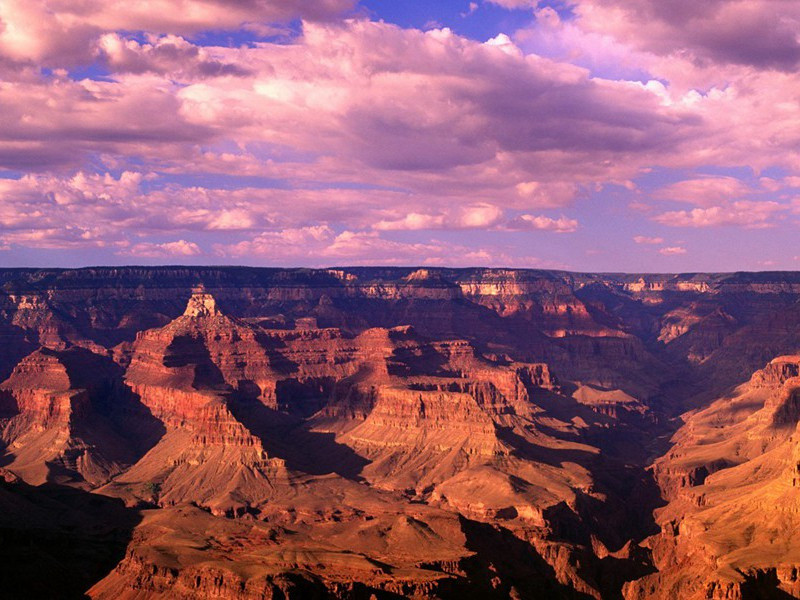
(731,479)
(190,374)
(53,422)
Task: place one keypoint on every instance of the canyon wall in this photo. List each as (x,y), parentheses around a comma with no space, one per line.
(412,432)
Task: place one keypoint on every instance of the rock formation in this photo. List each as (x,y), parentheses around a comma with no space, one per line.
(358,432)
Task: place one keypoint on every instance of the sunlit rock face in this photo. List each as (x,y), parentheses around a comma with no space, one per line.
(449,433)
(201,304)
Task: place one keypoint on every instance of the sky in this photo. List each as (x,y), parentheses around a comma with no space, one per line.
(590,135)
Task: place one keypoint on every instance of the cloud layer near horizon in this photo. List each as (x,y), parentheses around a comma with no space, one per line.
(138,134)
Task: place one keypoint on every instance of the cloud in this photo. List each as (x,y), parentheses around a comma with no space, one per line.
(168,54)
(367,130)
(730,63)
(64,32)
(180,248)
(492,124)
(57,123)
(643,239)
(760,33)
(540,222)
(745,213)
(471,8)
(704,191)
(547,195)
(672,250)
(515,4)
(339,104)
(62,238)
(127,207)
(322,246)
(286,244)
(478,216)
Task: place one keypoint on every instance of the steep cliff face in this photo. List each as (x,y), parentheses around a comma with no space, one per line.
(188,374)
(53,421)
(422,412)
(732,481)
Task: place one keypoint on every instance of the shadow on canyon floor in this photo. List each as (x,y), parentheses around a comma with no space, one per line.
(505,566)
(282,436)
(763,586)
(56,541)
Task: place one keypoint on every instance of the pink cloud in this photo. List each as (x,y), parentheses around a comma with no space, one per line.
(64,32)
(362,106)
(321,246)
(371,128)
(540,222)
(727,62)
(478,216)
(704,191)
(348,95)
(164,250)
(168,54)
(547,195)
(761,33)
(745,213)
(643,239)
(343,98)
(63,237)
(36,210)
(57,123)
(512,4)
(672,250)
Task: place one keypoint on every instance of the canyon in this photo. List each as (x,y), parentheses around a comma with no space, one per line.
(387,432)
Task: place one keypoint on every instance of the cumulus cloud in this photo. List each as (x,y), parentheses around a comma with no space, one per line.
(312,226)
(486,116)
(365,130)
(51,124)
(168,54)
(322,246)
(541,222)
(745,213)
(180,248)
(490,122)
(466,217)
(704,191)
(63,237)
(64,32)
(547,194)
(728,62)
(494,131)
(126,207)
(761,33)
